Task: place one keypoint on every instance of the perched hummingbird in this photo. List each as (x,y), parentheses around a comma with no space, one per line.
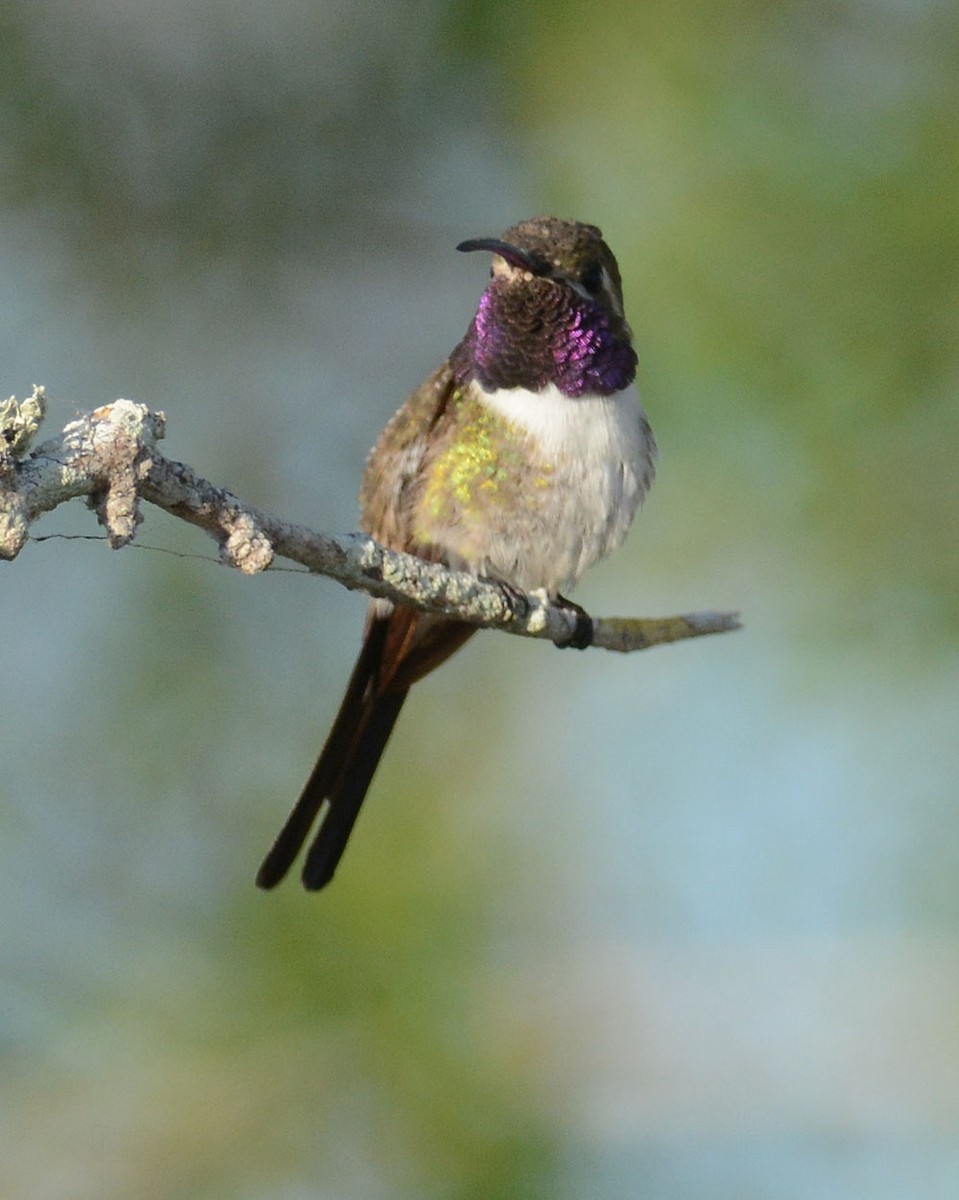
(522,459)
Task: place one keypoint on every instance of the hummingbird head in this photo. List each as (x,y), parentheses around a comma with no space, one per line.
(569,253)
(553,313)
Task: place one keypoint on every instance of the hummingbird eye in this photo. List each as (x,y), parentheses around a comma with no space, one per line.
(592,279)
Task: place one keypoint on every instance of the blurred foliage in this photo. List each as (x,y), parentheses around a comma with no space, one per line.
(209,131)
(778,183)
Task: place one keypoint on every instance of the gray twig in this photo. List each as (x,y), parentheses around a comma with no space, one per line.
(110,457)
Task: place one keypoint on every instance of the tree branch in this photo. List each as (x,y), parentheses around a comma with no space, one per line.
(110,457)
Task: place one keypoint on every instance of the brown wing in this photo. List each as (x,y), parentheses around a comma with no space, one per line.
(386,495)
(414,643)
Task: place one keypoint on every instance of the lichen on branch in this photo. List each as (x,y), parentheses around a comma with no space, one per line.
(110,457)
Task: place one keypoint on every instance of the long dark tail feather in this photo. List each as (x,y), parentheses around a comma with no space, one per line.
(399,647)
(333,761)
(350,790)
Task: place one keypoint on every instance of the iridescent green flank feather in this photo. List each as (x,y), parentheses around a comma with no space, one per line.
(483,468)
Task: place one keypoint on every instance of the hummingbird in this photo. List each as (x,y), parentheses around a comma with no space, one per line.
(522,459)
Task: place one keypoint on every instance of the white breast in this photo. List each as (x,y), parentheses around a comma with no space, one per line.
(591,427)
(601,452)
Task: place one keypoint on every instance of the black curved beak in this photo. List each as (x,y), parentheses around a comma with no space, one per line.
(513,254)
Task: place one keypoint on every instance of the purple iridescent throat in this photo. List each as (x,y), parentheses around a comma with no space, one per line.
(542,335)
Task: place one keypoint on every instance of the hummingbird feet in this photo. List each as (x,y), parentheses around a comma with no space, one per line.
(582,635)
(518,602)
(516,599)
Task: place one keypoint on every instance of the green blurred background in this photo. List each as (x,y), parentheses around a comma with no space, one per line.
(678,925)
